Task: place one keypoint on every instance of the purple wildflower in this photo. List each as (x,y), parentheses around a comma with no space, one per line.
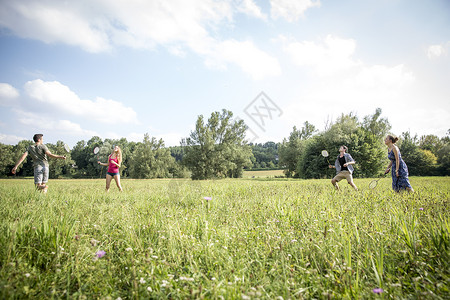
(421,208)
(207,198)
(100,253)
(378,290)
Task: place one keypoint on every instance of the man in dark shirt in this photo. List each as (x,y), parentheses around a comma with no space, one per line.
(344,168)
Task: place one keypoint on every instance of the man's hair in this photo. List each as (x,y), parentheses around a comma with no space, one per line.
(37,137)
(345,148)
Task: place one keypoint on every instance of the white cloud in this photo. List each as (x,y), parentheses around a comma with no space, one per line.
(72,128)
(330,55)
(7,94)
(247,56)
(250,8)
(381,77)
(61,127)
(10,139)
(291,10)
(54,21)
(436,51)
(8,91)
(100,25)
(146,23)
(60,97)
(97,25)
(342,83)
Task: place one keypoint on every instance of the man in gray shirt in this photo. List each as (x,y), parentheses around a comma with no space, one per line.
(38,153)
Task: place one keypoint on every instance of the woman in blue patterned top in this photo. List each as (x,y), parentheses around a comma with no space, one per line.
(400,174)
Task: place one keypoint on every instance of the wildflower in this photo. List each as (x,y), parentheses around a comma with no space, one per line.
(378,290)
(207,198)
(149,289)
(421,208)
(129,249)
(100,253)
(186,278)
(142,280)
(27,274)
(164,283)
(94,242)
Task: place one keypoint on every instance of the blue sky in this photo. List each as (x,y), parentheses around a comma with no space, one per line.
(75,69)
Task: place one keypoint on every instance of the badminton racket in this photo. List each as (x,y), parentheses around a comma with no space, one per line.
(325,154)
(373,184)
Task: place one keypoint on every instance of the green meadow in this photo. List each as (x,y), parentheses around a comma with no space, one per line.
(250,238)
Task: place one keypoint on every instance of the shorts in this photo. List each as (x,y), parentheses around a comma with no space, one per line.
(112,174)
(344,174)
(40,174)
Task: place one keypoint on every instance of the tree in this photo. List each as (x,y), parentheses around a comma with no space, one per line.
(59,167)
(266,154)
(312,164)
(379,127)
(291,150)
(363,141)
(427,165)
(217,149)
(7,162)
(26,169)
(79,155)
(177,152)
(307,131)
(150,159)
(409,150)
(443,160)
(342,132)
(431,142)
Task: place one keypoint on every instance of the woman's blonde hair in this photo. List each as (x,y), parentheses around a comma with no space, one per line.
(119,155)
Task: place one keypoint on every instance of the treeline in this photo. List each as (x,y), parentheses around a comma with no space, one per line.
(300,154)
(217,149)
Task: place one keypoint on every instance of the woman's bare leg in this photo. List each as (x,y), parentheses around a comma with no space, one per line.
(117,179)
(108,181)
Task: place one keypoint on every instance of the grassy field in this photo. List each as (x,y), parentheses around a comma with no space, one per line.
(263,174)
(226,239)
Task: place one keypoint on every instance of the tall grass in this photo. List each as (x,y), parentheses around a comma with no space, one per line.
(253,239)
